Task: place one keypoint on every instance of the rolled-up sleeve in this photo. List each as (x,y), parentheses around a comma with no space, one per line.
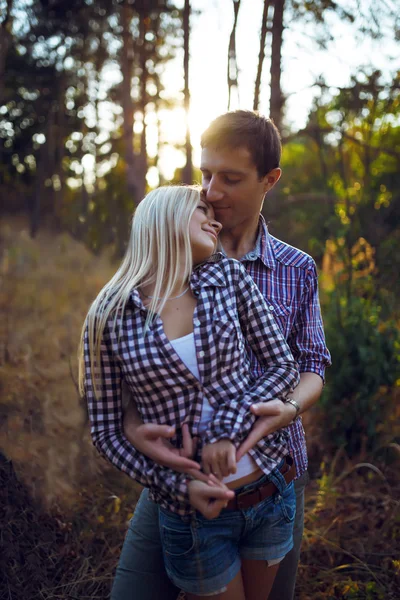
(307,338)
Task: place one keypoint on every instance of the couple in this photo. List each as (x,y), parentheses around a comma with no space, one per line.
(202,349)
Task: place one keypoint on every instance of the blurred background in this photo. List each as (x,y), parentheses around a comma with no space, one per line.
(101,101)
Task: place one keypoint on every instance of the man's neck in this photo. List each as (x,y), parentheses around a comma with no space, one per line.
(237,242)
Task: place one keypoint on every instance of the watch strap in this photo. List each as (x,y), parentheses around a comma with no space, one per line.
(296,406)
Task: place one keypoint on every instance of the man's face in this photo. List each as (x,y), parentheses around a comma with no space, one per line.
(232,185)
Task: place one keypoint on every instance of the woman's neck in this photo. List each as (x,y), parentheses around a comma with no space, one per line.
(180,287)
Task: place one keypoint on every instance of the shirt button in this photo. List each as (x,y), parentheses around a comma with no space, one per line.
(202,354)
(252,255)
(197,322)
(271,308)
(196,292)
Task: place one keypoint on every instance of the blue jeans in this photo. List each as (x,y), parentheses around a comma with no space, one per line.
(141,574)
(202,556)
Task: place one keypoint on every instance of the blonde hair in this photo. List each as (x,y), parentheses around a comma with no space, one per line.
(159,248)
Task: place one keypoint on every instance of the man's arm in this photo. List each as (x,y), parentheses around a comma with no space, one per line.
(307,342)
(152,441)
(275,414)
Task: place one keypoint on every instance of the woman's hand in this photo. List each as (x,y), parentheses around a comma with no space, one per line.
(209,498)
(219,459)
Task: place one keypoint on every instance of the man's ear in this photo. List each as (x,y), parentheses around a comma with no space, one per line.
(272,178)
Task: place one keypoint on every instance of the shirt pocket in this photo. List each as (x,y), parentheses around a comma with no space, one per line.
(228,342)
(282,314)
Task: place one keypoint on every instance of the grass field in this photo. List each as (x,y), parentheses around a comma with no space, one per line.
(64,511)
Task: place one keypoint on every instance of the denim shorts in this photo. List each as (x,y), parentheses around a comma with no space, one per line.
(202,556)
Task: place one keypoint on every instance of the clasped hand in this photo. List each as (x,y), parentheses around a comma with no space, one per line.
(206,492)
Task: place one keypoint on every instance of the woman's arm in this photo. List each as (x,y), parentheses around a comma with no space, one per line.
(105,414)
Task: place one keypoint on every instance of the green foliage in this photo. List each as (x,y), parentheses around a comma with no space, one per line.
(365,347)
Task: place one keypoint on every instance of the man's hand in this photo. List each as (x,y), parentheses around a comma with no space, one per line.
(152,441)
(276,414)
(272,415)
(209,498)
(219,458)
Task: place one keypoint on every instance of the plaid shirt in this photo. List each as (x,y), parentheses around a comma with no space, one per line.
(230,318)
(288,280)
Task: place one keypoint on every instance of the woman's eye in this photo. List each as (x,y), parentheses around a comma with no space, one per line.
(203,208)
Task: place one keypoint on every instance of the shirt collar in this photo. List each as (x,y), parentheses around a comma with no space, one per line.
(263,248)
(209,273)
(266,248)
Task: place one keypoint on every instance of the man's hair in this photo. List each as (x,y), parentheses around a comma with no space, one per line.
(248,129)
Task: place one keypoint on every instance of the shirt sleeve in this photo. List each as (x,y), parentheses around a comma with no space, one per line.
(280,376)
(105,414)
(306,338)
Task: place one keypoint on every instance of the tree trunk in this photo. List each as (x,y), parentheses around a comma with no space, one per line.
(5,43)
(232,72)
(261,55)
(127,102)
(141,161)
(277,100)
(187,173)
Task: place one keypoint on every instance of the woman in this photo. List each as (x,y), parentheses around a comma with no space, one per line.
(176,323)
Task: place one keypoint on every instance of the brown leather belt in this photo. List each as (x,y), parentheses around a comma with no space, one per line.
(246,499)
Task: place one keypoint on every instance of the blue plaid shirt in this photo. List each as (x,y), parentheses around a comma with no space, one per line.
(231,319)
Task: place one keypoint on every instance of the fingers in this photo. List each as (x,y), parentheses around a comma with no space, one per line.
(179,463)
(209,499)
(254,436)
(217,466)
(197,474)
(219,458)
(221,496)
(262,427)
(189,444)
(213,509)
(152,431)
(231,461)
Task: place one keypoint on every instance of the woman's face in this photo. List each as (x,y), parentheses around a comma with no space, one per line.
(203,232)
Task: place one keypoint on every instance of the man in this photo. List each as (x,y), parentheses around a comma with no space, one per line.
(240,164)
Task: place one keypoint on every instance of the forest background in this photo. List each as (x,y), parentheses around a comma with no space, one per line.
(99,102)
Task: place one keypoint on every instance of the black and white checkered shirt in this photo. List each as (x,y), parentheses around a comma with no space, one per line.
(230,315)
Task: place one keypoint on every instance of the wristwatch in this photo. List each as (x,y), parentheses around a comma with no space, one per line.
(297,407)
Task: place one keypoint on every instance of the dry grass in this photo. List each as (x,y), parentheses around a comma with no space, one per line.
(64,511)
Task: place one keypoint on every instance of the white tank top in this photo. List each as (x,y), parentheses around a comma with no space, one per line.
(186,350)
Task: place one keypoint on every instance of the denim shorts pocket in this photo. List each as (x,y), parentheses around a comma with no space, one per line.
(177,537)
(288,503)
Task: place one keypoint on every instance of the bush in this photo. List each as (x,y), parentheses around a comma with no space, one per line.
(361,384)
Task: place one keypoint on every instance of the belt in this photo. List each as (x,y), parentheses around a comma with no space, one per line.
(246,499)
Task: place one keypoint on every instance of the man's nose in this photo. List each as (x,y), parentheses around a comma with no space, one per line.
(213,191)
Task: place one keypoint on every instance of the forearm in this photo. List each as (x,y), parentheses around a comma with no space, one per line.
(277,414)
(308,391)
(117,449)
